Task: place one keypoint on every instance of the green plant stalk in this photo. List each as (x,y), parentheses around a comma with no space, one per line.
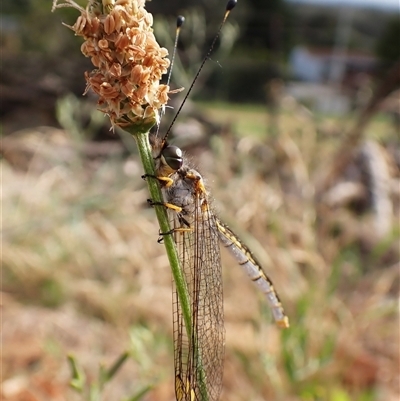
(143,144)
(78,380)
(109,373)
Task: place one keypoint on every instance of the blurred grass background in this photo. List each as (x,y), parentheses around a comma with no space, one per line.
(82,273)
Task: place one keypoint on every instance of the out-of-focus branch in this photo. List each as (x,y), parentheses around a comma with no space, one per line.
(346,151)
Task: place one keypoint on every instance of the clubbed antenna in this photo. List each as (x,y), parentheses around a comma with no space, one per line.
(230,5)
(179,22)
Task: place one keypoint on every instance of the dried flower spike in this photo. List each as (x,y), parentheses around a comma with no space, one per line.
(129,62)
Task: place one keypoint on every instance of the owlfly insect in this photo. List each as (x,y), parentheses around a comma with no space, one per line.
(197,233)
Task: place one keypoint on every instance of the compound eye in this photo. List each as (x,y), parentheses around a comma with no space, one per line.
(173,157)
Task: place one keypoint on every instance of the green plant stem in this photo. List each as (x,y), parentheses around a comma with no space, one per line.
(143,144)
(142,141)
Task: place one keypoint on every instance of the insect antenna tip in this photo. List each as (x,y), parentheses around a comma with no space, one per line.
(179,21)
(230,5)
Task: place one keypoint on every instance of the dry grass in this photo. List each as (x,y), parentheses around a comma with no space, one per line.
(83,273)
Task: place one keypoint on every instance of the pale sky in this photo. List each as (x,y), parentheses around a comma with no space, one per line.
(391,4)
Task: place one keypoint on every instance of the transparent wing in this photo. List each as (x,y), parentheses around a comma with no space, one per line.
(199,354)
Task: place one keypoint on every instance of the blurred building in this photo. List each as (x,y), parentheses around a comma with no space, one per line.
(315,64)
(330,81)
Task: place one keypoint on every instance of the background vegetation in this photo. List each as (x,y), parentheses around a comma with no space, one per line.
(82,273)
